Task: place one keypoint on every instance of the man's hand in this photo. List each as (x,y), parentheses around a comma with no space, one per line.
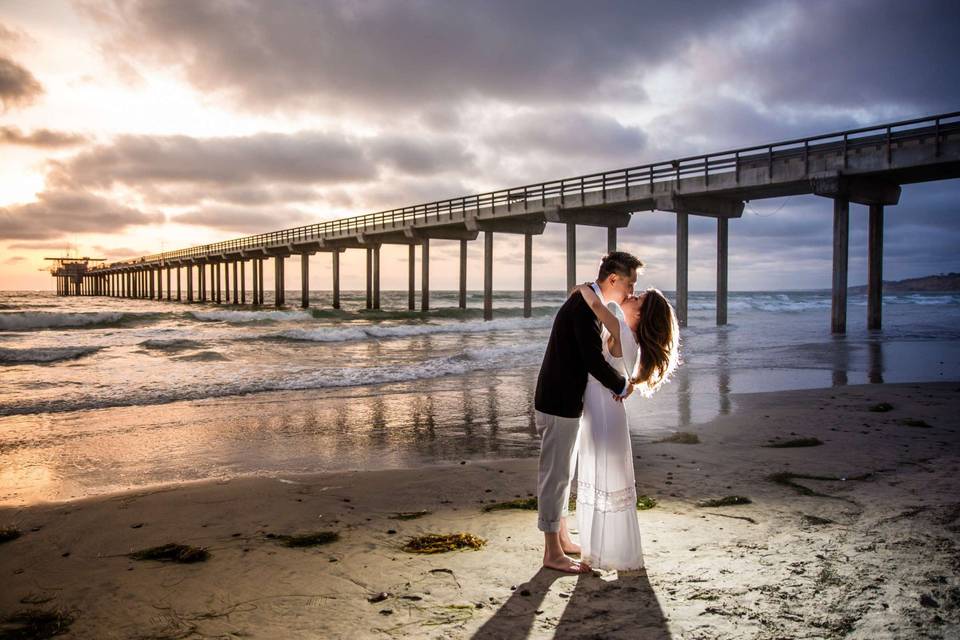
(626,393)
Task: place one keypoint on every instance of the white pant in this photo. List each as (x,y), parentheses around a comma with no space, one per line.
(559,441)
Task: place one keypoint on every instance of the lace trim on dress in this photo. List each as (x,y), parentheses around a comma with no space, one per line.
(606,501)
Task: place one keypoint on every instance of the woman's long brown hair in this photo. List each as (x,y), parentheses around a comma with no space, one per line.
(658,335)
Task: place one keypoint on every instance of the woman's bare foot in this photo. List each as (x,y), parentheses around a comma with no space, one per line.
(569,546)
(566,564)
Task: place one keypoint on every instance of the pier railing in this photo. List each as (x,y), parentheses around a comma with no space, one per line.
(705,165)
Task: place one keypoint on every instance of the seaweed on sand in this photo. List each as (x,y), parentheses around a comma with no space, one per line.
(914,422)
(796,442)
(9,533)
(519,503)
(409,515)
(725,501)
(646,502)
(306,539)
(35,624)
(786,478)
(172,552)
(881,407)
(441,542)
(681,437)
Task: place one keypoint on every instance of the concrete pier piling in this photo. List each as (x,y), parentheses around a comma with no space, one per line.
(462,298)
(721,271)
(571,256)
(304,280)
(369,258)
(425,275)
(875,268)
(376,276)
(411,276)
(682,244)
(488,275)
(335,256)
(279,281)
(527,275)
(841,239)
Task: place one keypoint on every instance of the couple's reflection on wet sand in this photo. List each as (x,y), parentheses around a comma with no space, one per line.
(622,606)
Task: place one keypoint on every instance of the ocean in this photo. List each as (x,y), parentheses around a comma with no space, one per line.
(101,394)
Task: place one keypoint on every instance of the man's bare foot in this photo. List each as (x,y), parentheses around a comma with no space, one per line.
(566,564)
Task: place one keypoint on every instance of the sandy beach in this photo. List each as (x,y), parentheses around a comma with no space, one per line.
(867,549)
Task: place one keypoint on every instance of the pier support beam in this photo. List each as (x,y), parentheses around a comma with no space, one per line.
(202,281)
(253,280)
(488,275)
(875,268)
(376,276)
(463,274)
(226,282)
(722,271)
(236,282)
(528,275)
(425,275)
(216,279)
(178,283)
(369,255)
(336,279)
(304,280)
(260,281)
(571,256)
(243,282)
(841,239)
(611,239)
(151,291)
(169,291)
(278,281)
(682,244)
(411,276)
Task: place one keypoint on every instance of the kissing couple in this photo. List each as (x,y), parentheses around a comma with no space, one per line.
(606,343)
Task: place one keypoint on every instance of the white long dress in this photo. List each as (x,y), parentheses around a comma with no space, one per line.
(606,493)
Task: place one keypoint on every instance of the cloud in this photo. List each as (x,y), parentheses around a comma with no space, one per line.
(18,87)
(45,138)
(55,213)
(566,132)
(244,219)
(13,259)
(340,54)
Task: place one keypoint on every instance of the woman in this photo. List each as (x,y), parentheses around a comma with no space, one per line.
(641,337)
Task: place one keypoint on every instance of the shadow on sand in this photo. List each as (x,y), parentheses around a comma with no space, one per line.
(623,606)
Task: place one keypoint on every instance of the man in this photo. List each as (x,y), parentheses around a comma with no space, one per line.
(573,351)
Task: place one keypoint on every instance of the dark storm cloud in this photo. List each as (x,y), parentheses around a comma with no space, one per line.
(55,213)
(44,138)
(18,87)
(396,55)
(856,55)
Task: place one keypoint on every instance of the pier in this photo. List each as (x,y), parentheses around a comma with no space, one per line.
(864,166)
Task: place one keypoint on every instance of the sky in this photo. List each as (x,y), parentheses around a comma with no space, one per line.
(129,127)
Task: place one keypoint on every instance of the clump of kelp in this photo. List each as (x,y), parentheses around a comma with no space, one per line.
(519,503)
(313,539)
(409,515)
(172,552)
(914,422)
(681,437)
(796,442)
(442,542)
(9,533)
(786,478)
(881,407)
(645,502)
(725,501)
(35,624)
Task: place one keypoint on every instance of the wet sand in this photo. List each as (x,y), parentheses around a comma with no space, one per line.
(868,549)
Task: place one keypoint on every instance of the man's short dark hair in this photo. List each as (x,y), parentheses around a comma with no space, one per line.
(620,263)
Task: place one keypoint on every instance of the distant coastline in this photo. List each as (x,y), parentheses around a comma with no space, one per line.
(939,282)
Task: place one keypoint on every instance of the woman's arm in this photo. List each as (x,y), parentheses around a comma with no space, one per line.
(610,321)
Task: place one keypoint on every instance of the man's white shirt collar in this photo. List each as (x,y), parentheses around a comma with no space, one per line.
(596,288)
